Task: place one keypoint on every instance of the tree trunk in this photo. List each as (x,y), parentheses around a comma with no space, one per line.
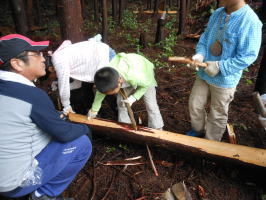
(262,13)
(156,6)
(260,85)
(114,10)
(188,5)
(159,31)
(19,16)
(30,15)
(71,20)
(104,20)
(173,141)
(182,17)
(142,40)
(96,9)
(121,10)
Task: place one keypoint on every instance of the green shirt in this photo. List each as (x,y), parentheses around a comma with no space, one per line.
(136,70)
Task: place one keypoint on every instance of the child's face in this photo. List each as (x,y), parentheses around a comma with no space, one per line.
(116,90)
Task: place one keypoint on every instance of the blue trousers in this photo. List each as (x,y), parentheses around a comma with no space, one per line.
(60,163)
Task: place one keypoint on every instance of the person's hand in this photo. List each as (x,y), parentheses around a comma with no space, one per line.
(262,121)
(67,110)
(196,58)
(212,69)
(54,85)
(130,100)
(91,114)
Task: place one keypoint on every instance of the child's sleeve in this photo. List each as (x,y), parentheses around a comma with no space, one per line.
(140,92)
(97,103)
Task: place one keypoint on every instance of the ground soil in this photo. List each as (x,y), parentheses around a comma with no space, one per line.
(219,180)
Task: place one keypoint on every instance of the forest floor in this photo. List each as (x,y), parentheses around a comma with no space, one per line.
(218,180)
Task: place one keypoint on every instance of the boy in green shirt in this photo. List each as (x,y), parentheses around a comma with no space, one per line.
(133,73)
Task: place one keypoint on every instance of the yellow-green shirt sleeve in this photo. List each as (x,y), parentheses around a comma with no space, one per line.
(98,99)
(140,91)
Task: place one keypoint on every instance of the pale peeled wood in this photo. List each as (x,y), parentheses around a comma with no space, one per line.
(159,11)
(185,60)
(174,141)
(231,133)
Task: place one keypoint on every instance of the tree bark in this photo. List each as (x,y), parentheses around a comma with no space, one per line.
(30,15)
(96,9)
(159,31)
(104,20)
(71,20)
(260,85)
(121,10)
(114,10)
(173,141)
(19,16)
(182,17)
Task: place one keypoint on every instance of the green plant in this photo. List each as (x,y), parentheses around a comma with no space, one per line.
(87,25)
(249,82)
(124,147)
(111,25)
(110,149)
(129,20)
(168,44)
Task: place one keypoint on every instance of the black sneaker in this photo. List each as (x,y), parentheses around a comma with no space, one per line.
(45,197)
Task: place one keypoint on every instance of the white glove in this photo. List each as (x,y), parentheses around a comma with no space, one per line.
(212,69)
(197,58)
(91,114)
(67,110)
(130,100)
(96,38)
(262,121)
(54,85)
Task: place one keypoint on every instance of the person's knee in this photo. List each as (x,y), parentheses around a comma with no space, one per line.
(84,145)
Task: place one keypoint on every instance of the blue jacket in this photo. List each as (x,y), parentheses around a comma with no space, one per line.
(28,122)
(241,43)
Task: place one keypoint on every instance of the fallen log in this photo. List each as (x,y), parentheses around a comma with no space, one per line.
(174,141)
(159,11)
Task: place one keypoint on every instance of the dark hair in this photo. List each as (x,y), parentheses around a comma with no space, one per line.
(22,56)
(106,79)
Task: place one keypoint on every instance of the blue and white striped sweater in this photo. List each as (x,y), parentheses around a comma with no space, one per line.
(28,122)
(241,43)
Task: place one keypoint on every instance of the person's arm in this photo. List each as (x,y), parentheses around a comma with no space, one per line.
(47,118)
(97,103)
(201,47)
(63,74)
(247,51)
(140,91)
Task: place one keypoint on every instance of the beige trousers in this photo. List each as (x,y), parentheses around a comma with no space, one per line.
(214,123)
(154,116)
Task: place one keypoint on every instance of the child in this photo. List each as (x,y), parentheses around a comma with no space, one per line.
(131,72)
(77,63)
(230,44)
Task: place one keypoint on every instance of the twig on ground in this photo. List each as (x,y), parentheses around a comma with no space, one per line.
(152,163)
(93,181)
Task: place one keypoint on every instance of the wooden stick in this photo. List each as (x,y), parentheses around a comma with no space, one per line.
(186,61)
(159,11)
(152,163)
(129,110)
(231,133)
(174,141)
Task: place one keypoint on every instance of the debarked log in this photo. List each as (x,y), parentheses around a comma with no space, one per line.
(174,141)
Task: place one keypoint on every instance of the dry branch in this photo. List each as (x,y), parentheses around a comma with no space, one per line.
(173,141)
(185,60)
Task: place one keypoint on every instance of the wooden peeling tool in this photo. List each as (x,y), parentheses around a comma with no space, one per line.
(130,112)
(186,60)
